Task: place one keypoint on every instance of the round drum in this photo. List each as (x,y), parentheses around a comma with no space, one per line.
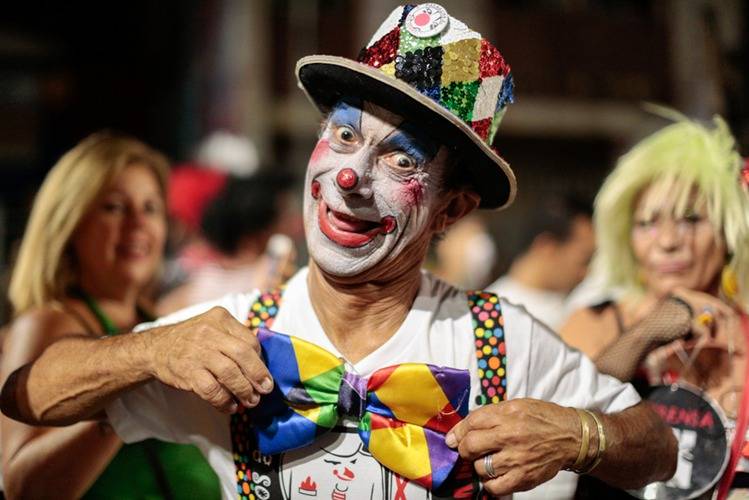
(699,425)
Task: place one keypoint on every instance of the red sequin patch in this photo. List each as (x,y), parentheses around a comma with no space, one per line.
(491,62)
(481,127)
(383,51)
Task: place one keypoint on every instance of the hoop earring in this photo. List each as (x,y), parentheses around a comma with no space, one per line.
(729,283)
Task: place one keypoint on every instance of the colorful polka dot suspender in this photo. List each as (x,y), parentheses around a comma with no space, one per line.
(489,333)
(263,311)
(250,483)
(488,329)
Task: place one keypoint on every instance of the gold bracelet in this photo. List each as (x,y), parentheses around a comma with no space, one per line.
(584,441)
(601,444)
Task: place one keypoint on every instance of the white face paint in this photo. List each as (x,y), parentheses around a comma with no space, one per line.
(373,183)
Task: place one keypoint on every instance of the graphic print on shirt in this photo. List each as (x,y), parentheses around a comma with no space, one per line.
(335,467)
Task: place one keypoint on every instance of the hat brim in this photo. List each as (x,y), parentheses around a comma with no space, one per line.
(328,79)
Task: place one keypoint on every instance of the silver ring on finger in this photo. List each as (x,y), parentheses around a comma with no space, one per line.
(488,467)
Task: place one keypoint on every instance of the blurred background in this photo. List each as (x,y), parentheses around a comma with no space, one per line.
(172,72)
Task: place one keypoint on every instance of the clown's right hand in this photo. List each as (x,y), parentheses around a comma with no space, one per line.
(212,355)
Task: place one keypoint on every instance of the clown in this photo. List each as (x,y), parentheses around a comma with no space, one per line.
(372,180)
(365,396)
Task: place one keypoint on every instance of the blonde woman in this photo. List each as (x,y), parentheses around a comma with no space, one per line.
(94,242)
(672,224)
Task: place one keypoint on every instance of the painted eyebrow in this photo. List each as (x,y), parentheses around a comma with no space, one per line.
(345,114)
(408,139)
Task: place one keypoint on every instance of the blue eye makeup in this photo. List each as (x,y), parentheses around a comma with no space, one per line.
(346,114)
(410,140)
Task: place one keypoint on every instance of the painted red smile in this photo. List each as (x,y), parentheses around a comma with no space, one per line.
(349,231)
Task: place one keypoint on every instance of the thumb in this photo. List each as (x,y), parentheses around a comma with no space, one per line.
(457,433)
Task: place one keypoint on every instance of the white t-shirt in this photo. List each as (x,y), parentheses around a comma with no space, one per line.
(437,330)
(548,306)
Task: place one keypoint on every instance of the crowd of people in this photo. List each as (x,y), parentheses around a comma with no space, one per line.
(360,375)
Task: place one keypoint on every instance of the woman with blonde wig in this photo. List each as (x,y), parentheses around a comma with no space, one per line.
(672,228)
(93,244)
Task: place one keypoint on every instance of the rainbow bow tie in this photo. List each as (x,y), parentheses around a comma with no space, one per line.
(404,411)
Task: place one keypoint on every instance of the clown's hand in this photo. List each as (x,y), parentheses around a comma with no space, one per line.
(528,440)
(212,355)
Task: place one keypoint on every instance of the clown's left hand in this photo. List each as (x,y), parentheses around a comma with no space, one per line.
(529,442)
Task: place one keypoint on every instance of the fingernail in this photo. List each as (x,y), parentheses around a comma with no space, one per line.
(266,385)
(450,440)
(253,401)
(233,408)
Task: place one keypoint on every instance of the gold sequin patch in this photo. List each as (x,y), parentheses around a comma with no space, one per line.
(461,61)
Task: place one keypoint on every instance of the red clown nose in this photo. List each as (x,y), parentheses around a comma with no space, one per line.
(347,178)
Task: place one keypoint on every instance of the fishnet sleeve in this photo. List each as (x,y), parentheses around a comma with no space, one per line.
(671,319)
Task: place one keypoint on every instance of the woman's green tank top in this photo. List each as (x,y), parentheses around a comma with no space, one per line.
(152,469)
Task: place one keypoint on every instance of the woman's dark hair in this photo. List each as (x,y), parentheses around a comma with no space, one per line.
(245,207)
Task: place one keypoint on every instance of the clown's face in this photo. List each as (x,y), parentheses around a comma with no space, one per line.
(372,190)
